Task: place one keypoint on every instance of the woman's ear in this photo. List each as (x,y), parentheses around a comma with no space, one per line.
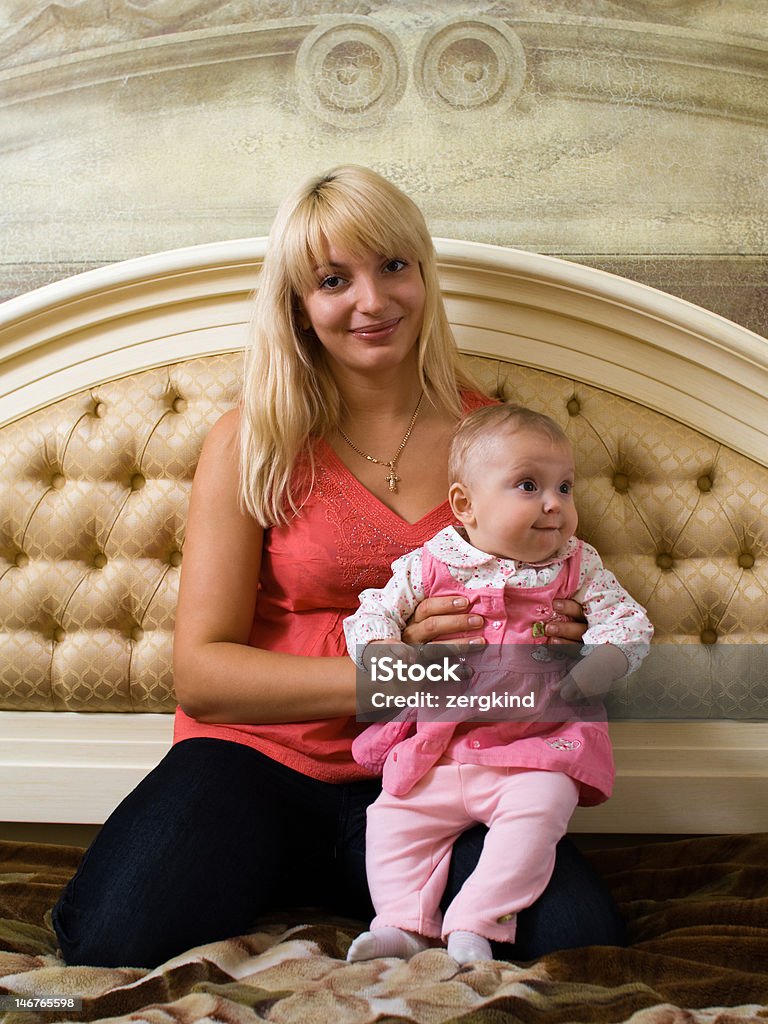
(461,503)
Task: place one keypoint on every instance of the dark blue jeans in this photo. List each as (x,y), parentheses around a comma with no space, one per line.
(218,834)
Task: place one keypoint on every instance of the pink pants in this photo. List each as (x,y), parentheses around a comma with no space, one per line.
(409,841)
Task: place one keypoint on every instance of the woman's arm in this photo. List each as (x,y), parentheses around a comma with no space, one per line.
(218,677)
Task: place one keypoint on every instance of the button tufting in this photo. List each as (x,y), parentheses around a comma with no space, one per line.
(137,634)
(621,482)
(59,634)
(22,559)
(664,560)
(573,405)
(99,409)
(708,636)
(179,404)
(138,480)
(57,481)
(174,559)
(704,483)
(99,560)
(746,560)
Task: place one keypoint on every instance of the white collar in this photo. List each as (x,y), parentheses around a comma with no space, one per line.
(453,548)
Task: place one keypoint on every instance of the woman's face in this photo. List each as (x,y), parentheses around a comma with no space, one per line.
(367,310)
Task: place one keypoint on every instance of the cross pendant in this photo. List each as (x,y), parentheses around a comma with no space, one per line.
(393,479)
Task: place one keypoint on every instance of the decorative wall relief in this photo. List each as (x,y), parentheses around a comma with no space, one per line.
(355,71)
(470,65)
(352,72)
(633,136)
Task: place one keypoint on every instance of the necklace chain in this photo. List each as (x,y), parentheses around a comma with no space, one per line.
(392,478)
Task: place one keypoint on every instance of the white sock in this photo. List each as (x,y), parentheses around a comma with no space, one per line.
(386,942)
(465,947)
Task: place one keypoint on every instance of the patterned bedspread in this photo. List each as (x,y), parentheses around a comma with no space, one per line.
(697,912)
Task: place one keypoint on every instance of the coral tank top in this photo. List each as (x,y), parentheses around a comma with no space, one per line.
(313,569)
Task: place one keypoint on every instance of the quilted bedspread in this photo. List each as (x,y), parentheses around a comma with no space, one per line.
(697,912)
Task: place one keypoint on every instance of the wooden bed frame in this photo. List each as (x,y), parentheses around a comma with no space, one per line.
(508,307)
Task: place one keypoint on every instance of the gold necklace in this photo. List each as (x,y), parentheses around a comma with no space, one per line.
(392,478)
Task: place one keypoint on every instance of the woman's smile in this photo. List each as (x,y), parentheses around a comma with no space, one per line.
(376,331)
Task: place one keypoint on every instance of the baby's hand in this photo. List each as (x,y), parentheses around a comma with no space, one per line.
(585,689)
(593,676)
(396,649)
(422,654)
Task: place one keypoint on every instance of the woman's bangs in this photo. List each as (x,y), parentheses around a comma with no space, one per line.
(303,252)
(354,228)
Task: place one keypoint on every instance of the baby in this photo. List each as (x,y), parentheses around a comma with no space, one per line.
(512,553)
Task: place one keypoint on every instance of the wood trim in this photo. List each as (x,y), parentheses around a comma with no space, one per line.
(612,333)
(75,768)
(679,778)
(686,778)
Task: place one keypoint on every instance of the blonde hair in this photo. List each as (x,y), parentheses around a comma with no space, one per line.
(289,395)
(479,426)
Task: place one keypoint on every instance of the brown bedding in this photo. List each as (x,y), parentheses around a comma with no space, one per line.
(697,912)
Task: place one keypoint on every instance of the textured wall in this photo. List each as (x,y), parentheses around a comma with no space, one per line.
(627,135)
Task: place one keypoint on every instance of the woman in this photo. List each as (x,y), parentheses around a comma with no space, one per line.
(333,466)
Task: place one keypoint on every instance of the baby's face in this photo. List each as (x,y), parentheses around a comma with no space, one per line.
(519,496)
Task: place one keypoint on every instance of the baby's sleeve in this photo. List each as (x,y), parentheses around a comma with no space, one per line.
(613,615)
(384,612)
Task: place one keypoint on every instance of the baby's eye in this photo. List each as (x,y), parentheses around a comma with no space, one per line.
(527,485)
(566,488)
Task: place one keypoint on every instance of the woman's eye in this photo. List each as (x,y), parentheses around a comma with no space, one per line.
(393,266)
(331,282)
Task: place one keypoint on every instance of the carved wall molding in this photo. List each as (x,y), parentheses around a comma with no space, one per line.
(643,63)
(134,126)
(352,70)
(156,55)
(470,65)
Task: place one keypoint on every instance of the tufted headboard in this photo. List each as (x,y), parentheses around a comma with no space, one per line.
(110,381)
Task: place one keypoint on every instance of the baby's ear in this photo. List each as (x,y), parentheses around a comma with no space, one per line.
(460,501)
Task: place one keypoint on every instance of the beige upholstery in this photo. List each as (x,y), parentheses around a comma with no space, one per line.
(110,382)
(94,500)
(95,490)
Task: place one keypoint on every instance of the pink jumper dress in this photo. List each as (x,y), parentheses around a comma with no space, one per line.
(522,779)
(404,751)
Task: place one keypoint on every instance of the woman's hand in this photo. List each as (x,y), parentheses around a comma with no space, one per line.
(570,629)
(445,617)
(448,617)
